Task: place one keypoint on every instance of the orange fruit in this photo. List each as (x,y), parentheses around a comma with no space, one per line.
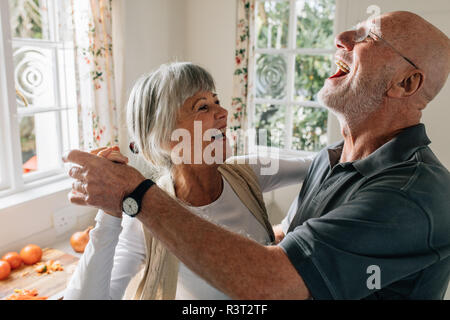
(13,258)
(31,254)
(5,269)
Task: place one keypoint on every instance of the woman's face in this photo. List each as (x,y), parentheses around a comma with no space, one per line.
(200,131)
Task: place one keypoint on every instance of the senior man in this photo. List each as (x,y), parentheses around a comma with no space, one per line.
(379,200)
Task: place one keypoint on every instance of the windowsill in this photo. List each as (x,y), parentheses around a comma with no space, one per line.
(34,193)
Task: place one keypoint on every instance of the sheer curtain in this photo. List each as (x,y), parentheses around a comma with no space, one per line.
(95,83)
(243,76)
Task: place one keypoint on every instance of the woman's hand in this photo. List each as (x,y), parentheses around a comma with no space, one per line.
(111,153)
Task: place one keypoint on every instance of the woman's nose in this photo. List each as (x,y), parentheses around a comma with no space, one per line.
(345,40)
(221,113)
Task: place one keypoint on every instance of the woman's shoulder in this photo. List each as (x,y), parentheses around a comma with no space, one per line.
(238,165)
(275,170)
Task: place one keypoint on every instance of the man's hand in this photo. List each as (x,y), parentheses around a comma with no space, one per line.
(100,183)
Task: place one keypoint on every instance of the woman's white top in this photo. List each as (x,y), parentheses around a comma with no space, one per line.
(116,250)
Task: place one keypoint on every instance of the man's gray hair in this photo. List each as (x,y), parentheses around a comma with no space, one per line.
(154,103)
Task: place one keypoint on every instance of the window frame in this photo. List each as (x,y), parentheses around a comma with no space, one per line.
(13,181)
(8,108)
(290,53)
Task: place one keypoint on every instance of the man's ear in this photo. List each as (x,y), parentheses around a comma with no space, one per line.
(407,86)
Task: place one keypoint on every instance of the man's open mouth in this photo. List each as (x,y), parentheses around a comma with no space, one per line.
(343,69)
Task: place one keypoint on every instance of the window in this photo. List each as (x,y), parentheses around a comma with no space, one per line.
(39,105)
(293,57)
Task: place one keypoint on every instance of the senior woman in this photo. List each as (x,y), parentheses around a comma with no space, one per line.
(178,97)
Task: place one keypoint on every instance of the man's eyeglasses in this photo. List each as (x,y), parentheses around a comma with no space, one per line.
(363,30)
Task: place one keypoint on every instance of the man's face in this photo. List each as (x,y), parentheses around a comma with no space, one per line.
(359,86)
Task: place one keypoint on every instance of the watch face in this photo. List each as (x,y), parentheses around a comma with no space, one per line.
(130,206)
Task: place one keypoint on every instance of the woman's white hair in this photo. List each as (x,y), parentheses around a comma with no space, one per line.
(153,107)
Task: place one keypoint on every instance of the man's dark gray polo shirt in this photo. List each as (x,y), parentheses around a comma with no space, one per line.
(390,210)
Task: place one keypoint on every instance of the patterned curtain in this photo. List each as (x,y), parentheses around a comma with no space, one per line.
(97,113)
(243,76)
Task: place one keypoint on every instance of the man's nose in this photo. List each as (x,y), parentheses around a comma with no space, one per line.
(345,40)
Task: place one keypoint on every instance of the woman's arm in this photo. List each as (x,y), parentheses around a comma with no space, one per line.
(277,172)
(129,257)
(109,261)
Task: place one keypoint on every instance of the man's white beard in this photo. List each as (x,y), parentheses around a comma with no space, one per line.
(354,101)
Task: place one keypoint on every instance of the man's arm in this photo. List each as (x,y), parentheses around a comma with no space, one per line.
(238,266)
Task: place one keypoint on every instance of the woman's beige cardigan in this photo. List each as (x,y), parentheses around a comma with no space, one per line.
(160,276)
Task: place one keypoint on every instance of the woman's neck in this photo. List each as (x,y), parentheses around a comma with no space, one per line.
(197,185)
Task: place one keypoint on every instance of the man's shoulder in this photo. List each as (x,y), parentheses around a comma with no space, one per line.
(424,181)
(422,171)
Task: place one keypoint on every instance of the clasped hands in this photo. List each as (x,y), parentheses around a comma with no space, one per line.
(102,178)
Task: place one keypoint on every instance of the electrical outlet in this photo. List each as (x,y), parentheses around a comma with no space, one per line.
(64,220)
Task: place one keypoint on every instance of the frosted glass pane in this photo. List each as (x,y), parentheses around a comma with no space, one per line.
(271,76)
(33,75)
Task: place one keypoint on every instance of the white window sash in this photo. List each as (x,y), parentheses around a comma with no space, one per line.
(296,51)
(307,104)
(11,138)
(292,33)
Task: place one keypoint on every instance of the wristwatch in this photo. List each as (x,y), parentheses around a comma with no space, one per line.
(131,204)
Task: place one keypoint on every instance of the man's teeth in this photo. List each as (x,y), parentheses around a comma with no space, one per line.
(343,66)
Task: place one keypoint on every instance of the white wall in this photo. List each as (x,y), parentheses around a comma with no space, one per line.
(147,33)
(160,31)
(153,34)
(210,41)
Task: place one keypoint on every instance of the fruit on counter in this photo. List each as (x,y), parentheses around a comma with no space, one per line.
(14,259)
(49,267)
(23,294)
(5,269)
(31,254)
(79,240)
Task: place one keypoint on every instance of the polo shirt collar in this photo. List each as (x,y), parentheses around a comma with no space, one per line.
(397,150)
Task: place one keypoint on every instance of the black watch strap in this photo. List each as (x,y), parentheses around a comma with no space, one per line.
(139,193)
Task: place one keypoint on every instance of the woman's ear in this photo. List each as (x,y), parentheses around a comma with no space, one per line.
(408,86)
